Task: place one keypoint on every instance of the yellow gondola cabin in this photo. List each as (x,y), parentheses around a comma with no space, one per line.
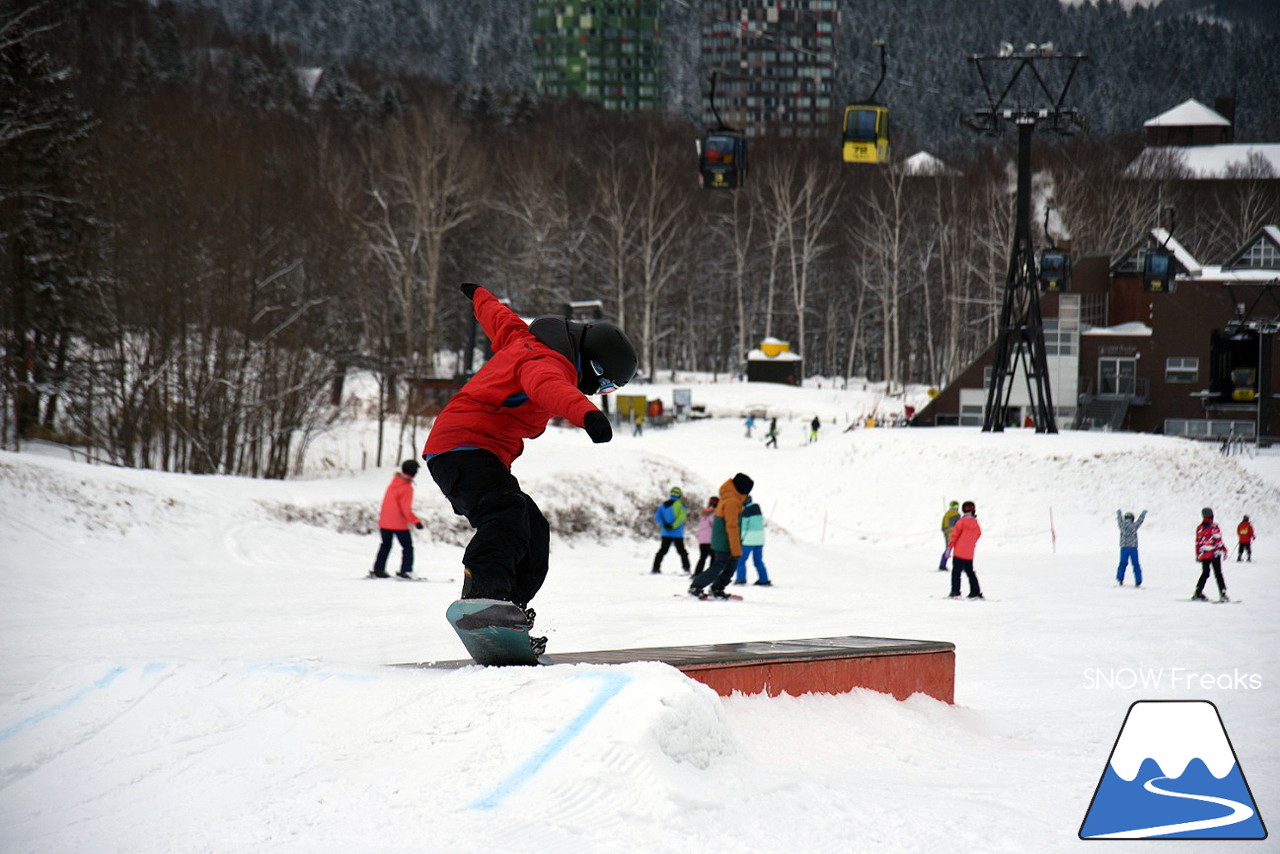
(866,134)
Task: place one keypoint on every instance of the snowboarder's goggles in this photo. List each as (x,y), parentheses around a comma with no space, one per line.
(607,386)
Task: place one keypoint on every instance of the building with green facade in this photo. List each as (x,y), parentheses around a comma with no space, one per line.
(601,50)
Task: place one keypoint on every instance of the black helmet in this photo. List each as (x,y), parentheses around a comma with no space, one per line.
(607,357)
(410,467)
(969,507)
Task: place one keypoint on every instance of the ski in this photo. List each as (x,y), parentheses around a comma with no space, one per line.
(705,597)
(371,577)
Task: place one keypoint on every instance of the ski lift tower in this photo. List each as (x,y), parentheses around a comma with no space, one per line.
(1021,331)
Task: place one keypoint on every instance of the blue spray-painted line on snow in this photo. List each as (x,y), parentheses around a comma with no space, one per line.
(153,667)
(105,682)
(614,682)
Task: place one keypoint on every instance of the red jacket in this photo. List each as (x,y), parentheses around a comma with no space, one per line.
(1245,532)
(513,396)
(1209,541)
(397,504)
(964,537)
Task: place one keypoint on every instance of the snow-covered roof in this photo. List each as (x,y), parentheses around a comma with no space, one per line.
(1229,160)
(1160,237)
(1188,114)
(1260,252)
(308,79)
(1214,273)
(1180,253)
(1258,270)
(924,163)
(1127,330)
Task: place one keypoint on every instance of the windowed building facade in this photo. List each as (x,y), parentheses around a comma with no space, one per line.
(775,62)
(607,51)
(1200,359)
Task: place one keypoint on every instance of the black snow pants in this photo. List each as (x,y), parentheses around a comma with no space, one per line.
(668,542)
(508,554)
(1213,564)
(719,574)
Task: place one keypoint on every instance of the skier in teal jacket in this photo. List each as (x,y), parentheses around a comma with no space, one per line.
(752,522)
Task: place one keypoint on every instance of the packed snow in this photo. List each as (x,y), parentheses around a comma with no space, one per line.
(197,664)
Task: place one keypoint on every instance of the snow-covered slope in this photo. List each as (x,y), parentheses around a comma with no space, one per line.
(196,664)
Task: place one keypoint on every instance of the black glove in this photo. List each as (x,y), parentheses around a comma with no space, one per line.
(469,289)
(418,525)
(597,426)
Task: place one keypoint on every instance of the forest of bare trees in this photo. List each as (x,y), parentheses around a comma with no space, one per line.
(199,239)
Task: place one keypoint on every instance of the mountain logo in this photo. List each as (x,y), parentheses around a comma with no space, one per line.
(1172,774)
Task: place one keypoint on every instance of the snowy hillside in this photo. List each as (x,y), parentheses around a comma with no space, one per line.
(196,664)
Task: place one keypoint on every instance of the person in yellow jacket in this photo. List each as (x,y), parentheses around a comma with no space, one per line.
(949,520)
(726,539)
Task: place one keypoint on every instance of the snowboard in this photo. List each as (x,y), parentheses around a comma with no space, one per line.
(1212,601)
(495,632)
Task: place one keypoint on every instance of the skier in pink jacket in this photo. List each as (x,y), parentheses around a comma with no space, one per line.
(705,523)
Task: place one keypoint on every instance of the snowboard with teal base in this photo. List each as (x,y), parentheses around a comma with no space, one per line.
(495,632)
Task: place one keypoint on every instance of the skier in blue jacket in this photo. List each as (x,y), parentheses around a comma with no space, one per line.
(1129,546)
(670,518)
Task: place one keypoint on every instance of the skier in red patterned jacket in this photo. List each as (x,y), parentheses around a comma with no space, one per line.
(1210,550)
(538,371)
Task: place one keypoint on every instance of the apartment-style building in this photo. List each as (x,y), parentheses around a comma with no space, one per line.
(607,51)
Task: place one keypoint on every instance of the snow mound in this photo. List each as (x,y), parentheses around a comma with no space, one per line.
(593,740)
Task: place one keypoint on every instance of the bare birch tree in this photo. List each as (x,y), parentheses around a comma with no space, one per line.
(614,214)
(881,229)
(429,182)
(541,243)
(659,233)
(815,205)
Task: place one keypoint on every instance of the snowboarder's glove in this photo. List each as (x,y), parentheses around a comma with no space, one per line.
(469,289)
(597,426)
(418,525)
(667,527)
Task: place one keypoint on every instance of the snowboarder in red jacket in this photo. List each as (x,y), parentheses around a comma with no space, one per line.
(538,371)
